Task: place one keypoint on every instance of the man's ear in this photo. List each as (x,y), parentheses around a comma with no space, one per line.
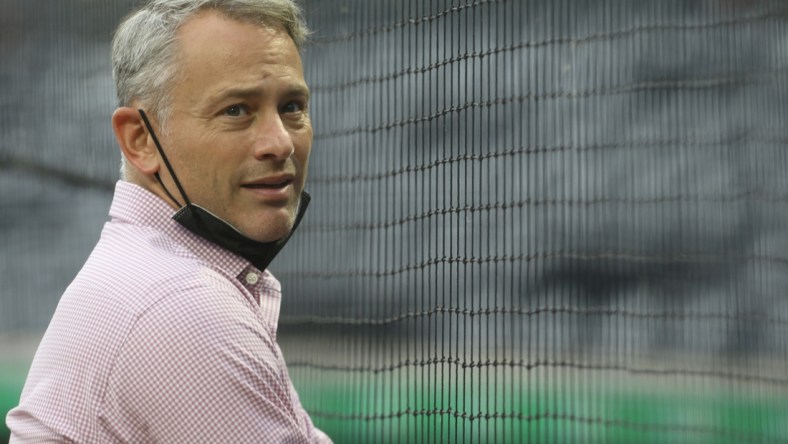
(134,140)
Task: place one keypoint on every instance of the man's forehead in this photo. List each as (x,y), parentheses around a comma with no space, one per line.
(211,39)
(210,22)
(221,58)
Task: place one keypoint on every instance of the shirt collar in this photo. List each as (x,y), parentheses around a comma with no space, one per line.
(136,205)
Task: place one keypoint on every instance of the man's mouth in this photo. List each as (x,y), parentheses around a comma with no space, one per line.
(272,189)
(270,183)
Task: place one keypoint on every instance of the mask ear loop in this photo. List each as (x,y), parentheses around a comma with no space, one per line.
(166,162)
(158,179)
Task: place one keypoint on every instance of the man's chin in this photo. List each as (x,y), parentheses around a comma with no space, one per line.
(271,229)
(266,223)
(270,236)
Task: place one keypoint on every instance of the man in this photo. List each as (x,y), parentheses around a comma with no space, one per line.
(168,333)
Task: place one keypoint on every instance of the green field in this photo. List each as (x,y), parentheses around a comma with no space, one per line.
(566,413)
(12,378)
(361,409)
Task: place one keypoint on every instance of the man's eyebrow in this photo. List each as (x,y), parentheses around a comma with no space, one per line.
(256,91)
(299,90)
(240,92)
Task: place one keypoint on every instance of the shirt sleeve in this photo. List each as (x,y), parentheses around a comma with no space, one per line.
(200,366)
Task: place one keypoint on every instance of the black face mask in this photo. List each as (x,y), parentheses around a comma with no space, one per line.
(203,223)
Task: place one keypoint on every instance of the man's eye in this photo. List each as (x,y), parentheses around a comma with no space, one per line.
(292,107)
(235,111)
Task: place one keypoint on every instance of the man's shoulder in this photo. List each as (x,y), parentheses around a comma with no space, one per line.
(153,285)
(147,300)
(137,266)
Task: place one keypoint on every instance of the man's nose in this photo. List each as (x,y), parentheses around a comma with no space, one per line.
(273,140)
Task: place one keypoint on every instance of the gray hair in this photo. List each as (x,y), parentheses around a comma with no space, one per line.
(143,50)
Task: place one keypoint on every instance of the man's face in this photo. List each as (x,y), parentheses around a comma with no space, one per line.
(239,132)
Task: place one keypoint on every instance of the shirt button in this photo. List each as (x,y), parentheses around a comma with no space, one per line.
(252,278)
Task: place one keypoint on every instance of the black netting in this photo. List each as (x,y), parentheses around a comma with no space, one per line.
(533,221)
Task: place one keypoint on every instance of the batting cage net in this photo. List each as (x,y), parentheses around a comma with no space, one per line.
(532,220)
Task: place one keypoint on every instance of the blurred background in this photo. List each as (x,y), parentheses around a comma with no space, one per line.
(532,220)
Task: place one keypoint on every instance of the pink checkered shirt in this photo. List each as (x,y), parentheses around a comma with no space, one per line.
(162,337)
